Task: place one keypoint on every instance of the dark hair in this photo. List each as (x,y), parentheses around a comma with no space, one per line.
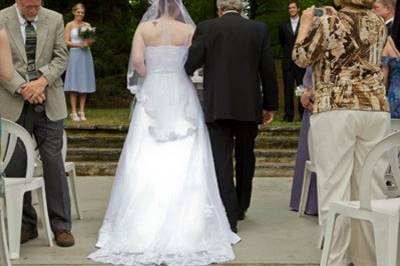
(167,5)
(396,26)
(78,6)
(294,2)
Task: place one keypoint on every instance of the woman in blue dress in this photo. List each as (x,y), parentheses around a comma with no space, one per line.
(79,79)
(391,69)
(303,154)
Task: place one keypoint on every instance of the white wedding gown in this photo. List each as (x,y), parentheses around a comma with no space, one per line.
(165,206)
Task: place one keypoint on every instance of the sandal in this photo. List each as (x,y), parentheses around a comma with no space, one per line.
(82,116)
(74,117)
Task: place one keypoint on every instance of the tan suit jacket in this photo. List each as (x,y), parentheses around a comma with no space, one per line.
(51,61)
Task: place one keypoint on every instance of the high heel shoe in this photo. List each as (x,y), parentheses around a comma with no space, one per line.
(74,117)
(82,116)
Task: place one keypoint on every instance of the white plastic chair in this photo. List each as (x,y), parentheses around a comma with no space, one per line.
(69,170)
(384,214)
(5,258)
(15,188)
(309,168)
(392,177)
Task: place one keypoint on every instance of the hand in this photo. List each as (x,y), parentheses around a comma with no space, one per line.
(307,99)
(33,91)
(86,43)
(268,117)
(307,18)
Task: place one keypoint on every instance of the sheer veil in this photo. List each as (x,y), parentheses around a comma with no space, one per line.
(161,13)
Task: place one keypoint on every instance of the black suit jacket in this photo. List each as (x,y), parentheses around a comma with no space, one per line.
(287,38)
(389,27)
(236,55)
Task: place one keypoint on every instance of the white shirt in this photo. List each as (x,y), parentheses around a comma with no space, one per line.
(389,20)
(294,21)
(230,11)
(23,23)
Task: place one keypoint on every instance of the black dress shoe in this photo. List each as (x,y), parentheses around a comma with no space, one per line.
(287,118)
(241,216)
(28,234)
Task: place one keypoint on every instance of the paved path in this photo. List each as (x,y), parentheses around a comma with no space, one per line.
(271,235)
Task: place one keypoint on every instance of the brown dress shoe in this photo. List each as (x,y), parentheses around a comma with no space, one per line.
(28,234)
(64,238)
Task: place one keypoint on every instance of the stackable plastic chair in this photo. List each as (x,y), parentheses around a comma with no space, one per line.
(309,168)
(15,187)
(384,214)
(5,258)
(392,177)
(70,170)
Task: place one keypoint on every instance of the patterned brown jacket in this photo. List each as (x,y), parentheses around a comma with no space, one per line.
(344,49)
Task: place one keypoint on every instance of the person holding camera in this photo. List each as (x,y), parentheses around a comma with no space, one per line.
(350,113)
(34,98)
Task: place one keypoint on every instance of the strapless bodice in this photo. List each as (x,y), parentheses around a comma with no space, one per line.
(165,59)
(75,36)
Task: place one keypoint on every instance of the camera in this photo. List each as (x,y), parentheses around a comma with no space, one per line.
(319,12)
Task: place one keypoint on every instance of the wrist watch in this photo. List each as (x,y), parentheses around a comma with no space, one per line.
(19,90)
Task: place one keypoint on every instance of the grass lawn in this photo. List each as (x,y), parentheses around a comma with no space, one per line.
(120,117)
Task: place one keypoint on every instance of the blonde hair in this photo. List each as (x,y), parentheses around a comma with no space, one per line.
(230,5)
(359,3)
(77,6)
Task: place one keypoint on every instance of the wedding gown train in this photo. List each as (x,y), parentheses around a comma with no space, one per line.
(165,206)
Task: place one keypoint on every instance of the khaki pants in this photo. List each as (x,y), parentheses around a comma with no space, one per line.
(340,142)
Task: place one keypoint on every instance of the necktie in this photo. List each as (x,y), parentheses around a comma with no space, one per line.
(30,47)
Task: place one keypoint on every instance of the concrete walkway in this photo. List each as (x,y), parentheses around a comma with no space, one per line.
(271,235)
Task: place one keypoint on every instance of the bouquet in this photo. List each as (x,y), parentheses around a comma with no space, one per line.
(87,32)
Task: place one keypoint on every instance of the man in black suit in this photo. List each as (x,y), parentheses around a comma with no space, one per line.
(386,9)
(291,72)
(235,53)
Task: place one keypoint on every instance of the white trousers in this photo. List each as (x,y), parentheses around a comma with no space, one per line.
(340,142)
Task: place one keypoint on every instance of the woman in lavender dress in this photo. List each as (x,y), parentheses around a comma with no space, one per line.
(79,79)
(303,155)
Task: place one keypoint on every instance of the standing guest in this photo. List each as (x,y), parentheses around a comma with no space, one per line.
(385,9)
(303,153)
(234,104)
(391,69)
(80,79)
(350,113)
(292,74)
(34,98)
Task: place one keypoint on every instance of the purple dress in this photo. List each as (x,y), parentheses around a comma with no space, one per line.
(302,157)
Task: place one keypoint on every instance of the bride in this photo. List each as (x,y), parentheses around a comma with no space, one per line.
(165,207)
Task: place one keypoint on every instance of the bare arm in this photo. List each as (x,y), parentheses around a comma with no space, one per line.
(67,37)
(138,50)
(6,64)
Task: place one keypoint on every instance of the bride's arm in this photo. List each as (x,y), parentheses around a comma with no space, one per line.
(138,51)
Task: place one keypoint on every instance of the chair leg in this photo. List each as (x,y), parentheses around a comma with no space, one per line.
(381,234)
(14,204)
(45,215)
(72,178)
(330,227)
(393,241)
(3,236)
(304,190)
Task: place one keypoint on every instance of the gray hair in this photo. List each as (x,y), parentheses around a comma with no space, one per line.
(230,5)
(388,3)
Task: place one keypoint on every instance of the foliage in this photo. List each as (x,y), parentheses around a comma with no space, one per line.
(116,21)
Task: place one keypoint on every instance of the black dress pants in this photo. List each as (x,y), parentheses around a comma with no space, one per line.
(226,136)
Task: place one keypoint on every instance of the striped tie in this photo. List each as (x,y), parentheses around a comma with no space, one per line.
(30,47)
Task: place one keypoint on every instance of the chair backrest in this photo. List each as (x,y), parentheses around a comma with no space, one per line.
(11,133)
(382,147)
